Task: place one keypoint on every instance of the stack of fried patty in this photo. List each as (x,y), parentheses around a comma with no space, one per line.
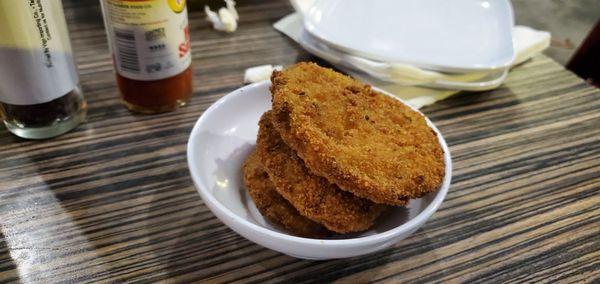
(333,154)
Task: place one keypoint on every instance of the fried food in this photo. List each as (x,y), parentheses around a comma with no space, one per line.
(313,196)
(365,142)
(274,207)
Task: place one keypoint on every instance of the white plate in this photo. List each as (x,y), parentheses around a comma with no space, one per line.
(219,143)
(450,36)
(404,74)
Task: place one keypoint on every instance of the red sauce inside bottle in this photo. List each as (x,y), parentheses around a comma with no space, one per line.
(158,95)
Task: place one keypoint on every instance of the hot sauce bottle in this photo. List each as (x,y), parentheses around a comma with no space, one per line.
(150,45)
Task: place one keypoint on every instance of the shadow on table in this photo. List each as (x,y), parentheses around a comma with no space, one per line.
(8,267)
(361,269)
(195,243)
(6,137)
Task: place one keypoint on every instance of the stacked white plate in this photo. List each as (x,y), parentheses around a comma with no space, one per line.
(459,44)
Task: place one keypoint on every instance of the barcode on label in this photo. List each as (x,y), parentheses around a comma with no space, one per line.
(126,50)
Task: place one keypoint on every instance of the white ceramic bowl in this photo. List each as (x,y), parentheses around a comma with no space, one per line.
(478,81)
(451,36)
(220,141)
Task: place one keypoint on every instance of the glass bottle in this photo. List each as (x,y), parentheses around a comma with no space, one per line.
(40,96)
(150,44)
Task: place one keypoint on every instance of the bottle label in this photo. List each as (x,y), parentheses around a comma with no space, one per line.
(36,62)
(149,39)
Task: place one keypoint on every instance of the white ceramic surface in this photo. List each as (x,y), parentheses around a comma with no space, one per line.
(450,36)
(404,74)
(220,141)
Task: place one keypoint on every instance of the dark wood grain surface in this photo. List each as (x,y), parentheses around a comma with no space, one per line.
(113,201)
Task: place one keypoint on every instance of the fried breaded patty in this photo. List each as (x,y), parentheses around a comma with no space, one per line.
(274,207)
(314,197)
(365,142)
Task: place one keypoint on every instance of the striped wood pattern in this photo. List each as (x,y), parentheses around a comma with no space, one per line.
(113,201)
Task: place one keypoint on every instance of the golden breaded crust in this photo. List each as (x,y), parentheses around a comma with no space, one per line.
(365,142)
(274,207)
(313,196)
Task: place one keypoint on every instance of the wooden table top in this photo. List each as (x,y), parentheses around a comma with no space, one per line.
(113,200)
